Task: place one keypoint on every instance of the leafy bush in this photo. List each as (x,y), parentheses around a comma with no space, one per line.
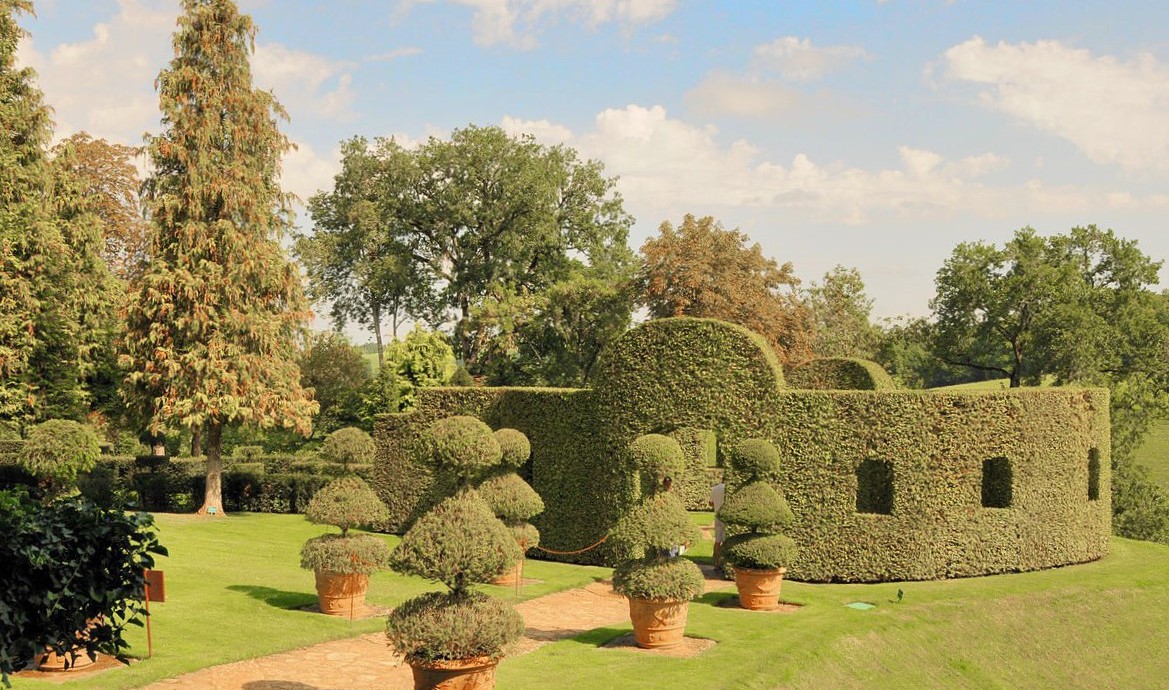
(247,453)
(335,553)
(756,506)
(653,527)
(459,542)
(510,498)
(463,447)
(760,551)
(348,446)
(57,450)
(446,626)
(515,447)
(461,378)
(676,579)
(755,458)
(346,502)
(101,555)
(526,535)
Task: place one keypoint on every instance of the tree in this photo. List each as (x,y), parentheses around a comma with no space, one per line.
(337,373)
(842,311)
(1074,306)
(699,269)
(105,182)
(356,260)
(214,321)
(487,211)
(905,348)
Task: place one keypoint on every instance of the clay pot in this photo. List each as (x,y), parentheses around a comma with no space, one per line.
(476,673)
(341,594)
(759,589)
(511,576)
(53,661)
(658,624)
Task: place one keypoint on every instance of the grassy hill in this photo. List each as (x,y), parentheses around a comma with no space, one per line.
(1154,453)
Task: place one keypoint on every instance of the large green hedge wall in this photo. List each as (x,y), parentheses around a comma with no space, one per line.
(699,380)
(840,373)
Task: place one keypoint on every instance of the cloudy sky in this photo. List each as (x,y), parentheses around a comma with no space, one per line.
(871,134)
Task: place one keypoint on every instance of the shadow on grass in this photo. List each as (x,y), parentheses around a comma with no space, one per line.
(598,637)
(276,597)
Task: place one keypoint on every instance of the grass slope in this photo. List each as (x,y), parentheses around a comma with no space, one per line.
(1154,453)
(1089,626)
(233,589)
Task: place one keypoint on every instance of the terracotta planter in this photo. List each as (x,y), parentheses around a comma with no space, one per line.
(476,673)
(759,589)
(658,624)
(511,576)
(341,594)
(53,661)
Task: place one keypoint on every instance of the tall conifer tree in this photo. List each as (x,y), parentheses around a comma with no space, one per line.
(213,322)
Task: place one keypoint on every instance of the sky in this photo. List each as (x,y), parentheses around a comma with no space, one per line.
(876,135)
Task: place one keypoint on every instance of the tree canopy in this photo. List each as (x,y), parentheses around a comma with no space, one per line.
(214,321)
(843,315)
(699,269)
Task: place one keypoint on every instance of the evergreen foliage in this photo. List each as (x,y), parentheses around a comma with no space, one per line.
(440,626)
(757,508)
(839,373)
(515,447)
(656,457)
(348,446)
(511,498)
(346,502)
(214,320)
(58,450)
(338,376)
(755,458)
(463,447)
(361,554)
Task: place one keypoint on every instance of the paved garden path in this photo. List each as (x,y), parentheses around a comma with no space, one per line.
(365,663)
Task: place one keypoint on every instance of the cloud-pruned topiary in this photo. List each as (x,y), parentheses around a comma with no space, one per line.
(459,543)
(438,626)
(362,554)
(757,510)
(650,538)
(346,502)
(515,447)
(56,451)
(463,447)
(348,446)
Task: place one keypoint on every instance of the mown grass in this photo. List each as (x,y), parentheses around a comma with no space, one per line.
(234,588)
(1153,453)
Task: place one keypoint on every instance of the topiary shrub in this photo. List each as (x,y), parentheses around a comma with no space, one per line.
(348,446)
(650,538)
(757,510)
(56,451)
(345,503)
(511,499)
(459,542)
(515,447)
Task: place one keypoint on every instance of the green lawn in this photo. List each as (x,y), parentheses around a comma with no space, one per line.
(1154,453)
(233,586)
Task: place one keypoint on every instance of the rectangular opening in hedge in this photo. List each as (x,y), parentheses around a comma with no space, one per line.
(996,483)
(874,487)
(1094,474)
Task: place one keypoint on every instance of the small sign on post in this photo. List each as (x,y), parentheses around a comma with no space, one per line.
(155,586)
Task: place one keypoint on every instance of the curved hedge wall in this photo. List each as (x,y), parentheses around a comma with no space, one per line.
(840,373)
(884,484)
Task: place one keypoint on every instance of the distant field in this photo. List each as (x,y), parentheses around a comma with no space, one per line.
(1154,453)
(371,360)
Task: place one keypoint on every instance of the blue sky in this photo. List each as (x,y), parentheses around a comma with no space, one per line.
(876,135)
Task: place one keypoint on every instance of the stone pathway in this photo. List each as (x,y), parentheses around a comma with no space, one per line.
(365,663)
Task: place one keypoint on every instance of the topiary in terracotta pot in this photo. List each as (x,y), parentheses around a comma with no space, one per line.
(511,498)
(759,553)
(344,562)
(456,638)
(652,574)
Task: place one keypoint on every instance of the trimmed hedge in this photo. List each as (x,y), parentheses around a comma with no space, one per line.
(674,374)
(840,373)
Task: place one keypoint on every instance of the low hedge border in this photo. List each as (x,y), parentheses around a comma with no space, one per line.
(840,373)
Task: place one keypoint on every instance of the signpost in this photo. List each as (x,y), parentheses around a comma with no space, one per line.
(155,587)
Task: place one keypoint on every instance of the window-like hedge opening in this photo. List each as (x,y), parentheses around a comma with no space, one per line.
(996,483)
(874,487)
(1094,474)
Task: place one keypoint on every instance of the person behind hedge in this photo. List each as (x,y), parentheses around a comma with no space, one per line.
(717,495)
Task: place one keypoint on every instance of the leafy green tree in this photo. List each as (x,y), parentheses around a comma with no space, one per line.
(485,210)
(337,373)
(905,348)
(843,315)
(356,260)
(699,269)
(214,321)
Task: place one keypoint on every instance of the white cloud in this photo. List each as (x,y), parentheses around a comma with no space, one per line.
(305,83)
(667,166)
(1112,110)
(517,22)
(746,96)
(393,54)
(797,59)
(104,85)
(304,172)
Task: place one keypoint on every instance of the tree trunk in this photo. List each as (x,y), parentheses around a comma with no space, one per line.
(1017,372)
(197,441)
(377,334)
(213,495)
